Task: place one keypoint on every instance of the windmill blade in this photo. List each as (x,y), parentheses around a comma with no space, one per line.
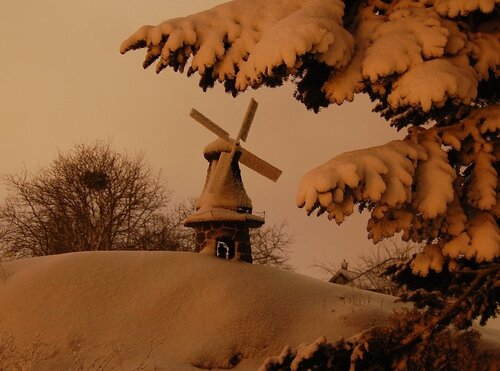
(257,164)
(221,171)
(209,124)
(247,122)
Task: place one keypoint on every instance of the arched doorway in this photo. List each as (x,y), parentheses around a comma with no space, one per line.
(224,248)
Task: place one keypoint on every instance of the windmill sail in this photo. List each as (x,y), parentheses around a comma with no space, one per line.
(226,158)
(259,165)
(245,126)
(209,124)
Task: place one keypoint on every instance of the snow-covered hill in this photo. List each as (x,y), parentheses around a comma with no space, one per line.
(178,311)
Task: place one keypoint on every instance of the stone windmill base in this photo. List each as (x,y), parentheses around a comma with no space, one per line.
(224,233)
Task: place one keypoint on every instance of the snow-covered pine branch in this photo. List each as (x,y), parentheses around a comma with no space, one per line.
(378,174)
(454,8)
(393,50)
(439,184)
(248,43)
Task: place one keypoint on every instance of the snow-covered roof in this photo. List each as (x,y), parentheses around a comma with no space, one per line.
(213,149)
(222,215)
(343,276)
(364,280)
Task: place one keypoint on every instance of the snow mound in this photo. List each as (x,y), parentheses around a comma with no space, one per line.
(178,311)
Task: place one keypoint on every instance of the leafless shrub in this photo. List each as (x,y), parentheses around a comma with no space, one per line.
(270,245)
(166,231)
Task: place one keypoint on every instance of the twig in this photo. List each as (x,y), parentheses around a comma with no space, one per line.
(445,315)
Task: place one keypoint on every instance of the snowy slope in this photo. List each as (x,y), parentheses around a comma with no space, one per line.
(173,310)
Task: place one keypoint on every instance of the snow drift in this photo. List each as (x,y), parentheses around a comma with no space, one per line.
(177,311)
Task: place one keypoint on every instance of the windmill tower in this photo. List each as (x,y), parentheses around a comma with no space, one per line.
(223,214)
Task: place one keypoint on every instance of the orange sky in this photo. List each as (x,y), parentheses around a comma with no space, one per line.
(63,81)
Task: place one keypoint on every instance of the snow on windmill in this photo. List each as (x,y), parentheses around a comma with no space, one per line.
(223,214)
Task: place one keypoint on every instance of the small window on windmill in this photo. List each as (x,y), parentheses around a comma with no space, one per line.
(225,248)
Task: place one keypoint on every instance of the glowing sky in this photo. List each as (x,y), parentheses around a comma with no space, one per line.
(63,81)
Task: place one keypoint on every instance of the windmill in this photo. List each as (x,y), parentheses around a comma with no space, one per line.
(223,213)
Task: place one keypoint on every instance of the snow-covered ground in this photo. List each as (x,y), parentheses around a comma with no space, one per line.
(172,310)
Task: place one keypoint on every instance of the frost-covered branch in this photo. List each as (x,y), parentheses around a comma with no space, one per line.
(248,43)
(449,312)
(393,50)
(379,174)
(437,186)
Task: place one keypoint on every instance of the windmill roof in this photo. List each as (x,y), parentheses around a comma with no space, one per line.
(213,149)
(231,195)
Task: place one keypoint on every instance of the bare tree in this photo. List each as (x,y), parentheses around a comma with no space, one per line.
(270,245)
(371,265)
(167,232)
(90,198)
